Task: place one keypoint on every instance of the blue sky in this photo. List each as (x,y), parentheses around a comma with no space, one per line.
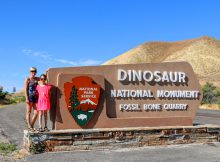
(58,33)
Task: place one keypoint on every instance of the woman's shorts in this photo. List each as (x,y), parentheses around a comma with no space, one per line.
(32,99)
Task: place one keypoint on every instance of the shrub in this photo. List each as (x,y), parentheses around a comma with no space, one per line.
(17,99)
(23,99)
(211,94)
(2,94)
(6,148)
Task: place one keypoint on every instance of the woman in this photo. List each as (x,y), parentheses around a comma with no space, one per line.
(31,97)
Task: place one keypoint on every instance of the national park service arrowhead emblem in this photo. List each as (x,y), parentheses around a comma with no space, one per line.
(82,98)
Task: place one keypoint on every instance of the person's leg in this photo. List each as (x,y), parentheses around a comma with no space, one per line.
(34,118)
(45,118)
(28,113)
(40,119)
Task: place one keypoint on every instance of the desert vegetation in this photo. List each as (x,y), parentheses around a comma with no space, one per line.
(211,94)
(7,98)
(2,94)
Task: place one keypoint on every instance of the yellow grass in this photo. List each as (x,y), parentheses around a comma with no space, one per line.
(2,106)
(202,53)
(210,106)
(21,154)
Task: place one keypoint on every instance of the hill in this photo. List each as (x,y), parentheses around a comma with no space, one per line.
(12,98)
(202,53)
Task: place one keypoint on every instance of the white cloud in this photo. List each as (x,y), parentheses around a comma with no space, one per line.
(66,62)
(79,63)
(40,54)
(90,62)
(47,56)
(27,51)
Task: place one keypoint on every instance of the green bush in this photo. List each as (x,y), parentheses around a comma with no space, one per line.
(6,148)
(17,99)
(3,94)
(211,94)
(22,99)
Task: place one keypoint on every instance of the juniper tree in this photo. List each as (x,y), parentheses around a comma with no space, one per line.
(74,102)
(209,93)
(2,93)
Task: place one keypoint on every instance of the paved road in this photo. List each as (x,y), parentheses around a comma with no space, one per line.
(180,153)
(208,117)
(12,121)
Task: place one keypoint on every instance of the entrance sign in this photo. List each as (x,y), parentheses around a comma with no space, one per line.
(133,95)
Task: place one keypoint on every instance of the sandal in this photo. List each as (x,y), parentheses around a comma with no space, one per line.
(30,129)
(40,130)
(46,129)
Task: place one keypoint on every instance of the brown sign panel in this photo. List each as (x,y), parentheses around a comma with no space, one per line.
(134,95)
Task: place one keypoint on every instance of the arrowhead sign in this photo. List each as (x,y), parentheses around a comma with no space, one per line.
(82,98)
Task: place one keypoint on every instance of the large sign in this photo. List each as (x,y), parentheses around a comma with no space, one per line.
(135,95)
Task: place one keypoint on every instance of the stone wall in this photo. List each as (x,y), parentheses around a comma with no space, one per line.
(102,139)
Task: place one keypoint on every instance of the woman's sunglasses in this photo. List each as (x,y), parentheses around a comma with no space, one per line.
(43,79)
(33,71)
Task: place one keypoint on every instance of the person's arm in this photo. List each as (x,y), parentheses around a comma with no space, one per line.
(26,90)
(49,93)
(38,80)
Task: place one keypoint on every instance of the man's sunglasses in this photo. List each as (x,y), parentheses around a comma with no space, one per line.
(33,71)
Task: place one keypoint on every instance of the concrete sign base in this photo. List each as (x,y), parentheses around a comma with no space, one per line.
(112,138)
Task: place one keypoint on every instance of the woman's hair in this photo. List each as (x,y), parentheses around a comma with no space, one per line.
(43,76)
(33,69)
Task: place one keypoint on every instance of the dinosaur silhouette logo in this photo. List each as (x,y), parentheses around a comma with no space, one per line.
(82,98)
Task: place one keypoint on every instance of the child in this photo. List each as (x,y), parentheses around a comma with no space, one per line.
(43,104)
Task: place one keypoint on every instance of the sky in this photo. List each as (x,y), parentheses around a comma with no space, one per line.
(61,33)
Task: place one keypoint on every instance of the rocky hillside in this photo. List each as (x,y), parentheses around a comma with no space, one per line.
(202,53)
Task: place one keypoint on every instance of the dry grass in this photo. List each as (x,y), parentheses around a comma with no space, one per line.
(210,107)
(20,154)
(12,99)
(19,93)
(202,53)
(2,106)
